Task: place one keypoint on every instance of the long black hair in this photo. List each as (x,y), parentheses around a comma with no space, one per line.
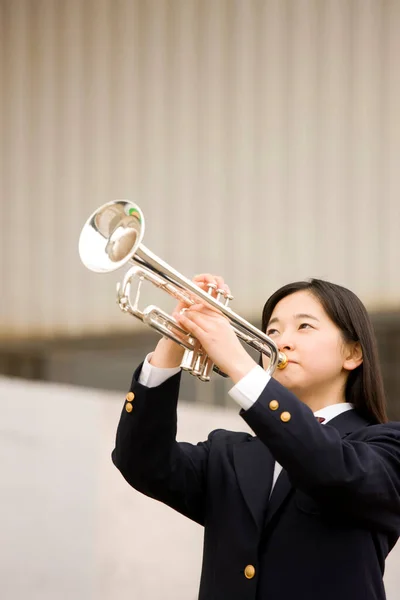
(364,386)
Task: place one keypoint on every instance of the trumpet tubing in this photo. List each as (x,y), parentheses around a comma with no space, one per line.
(112,237)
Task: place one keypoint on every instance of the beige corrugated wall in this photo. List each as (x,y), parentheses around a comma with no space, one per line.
(261,139)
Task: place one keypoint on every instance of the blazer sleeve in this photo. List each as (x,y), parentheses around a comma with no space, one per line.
(358,475)
(149,457)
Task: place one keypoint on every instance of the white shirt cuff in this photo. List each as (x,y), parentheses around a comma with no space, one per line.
(152,376)
(249,388)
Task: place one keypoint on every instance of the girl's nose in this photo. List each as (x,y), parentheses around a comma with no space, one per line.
(285,344)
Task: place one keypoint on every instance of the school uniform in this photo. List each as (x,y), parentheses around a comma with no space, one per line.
(302,509)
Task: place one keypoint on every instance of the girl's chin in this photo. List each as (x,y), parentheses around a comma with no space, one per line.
(289,382)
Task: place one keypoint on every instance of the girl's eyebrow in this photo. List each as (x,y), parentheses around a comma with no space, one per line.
(305,316)
(299,316)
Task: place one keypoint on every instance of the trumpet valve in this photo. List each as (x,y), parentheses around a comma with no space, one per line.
(220,292)
(228,298)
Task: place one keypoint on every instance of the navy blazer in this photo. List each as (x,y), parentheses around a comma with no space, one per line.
(332,518)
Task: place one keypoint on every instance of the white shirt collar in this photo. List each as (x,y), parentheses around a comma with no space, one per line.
(329,412)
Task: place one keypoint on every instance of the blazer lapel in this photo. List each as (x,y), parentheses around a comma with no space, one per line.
(345,423)
(280,492)
(254,466)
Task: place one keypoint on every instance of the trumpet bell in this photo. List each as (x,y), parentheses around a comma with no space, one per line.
(111,236)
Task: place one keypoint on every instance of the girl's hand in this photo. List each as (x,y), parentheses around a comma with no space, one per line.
(202,281)
(216,336)
(169,353)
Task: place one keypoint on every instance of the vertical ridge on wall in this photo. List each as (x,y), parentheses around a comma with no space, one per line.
(271,145)
(75,156)
(47,207)
(389,197)
(213,81)
(333,151)
(366,142)
(303,125)
(184,197)
(16,143)
(241,209)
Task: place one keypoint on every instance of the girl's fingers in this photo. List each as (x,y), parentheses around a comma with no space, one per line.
(207,278)
(189,323)
(203,281)
(204,309)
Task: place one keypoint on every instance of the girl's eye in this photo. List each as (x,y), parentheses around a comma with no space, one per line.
(304,325)
(272,331)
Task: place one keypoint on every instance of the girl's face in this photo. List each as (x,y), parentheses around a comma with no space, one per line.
(319,360)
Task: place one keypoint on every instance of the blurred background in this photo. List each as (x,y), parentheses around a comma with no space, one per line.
(261,139)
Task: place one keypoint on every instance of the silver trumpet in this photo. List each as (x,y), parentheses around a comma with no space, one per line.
(111,237)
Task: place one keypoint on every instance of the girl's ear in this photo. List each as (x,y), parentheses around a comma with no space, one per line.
(353,356)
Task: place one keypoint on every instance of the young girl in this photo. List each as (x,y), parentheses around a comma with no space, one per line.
(308,507)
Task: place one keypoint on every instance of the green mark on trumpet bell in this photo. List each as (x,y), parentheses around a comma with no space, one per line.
(133,211)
